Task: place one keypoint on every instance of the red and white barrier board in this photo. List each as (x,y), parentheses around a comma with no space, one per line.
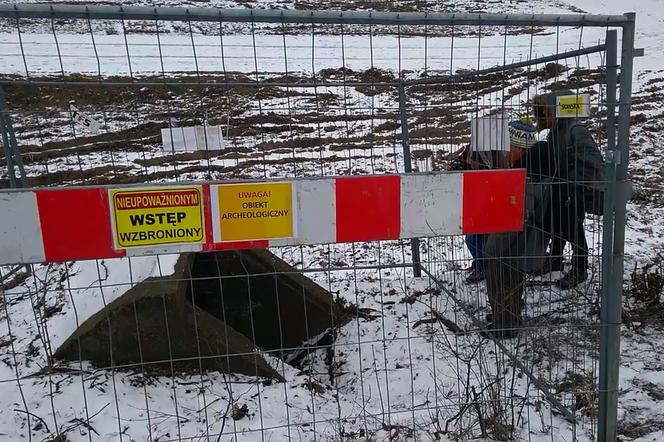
(63,224)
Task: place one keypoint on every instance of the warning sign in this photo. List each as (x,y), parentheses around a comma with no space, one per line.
(151,217)
(253,211)
(573,106)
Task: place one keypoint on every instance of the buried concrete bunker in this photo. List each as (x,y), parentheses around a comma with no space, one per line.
(212,313)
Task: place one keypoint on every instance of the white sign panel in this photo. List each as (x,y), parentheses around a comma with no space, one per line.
(84,120)
(490,133)
(188,139)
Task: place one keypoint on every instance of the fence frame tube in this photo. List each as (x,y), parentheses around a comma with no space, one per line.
(608,230)
(12,152)
(292,16)
(408,168)
(611,312)
(617,192)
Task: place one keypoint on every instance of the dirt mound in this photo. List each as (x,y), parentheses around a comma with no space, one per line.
(213,313)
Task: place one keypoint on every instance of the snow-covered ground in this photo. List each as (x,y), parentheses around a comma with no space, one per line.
(395,373)
(77,52)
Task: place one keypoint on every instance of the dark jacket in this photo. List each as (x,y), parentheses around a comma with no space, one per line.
(539,162)
(512,255)
(575,149)
(579,182)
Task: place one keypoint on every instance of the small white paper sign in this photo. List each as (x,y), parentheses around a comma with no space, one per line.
(490,133)
(209,138)
(84,120)
(188,139)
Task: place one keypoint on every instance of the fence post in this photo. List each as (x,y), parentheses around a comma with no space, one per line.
(9,158)
(607,358)
(408,168)
(12,152)
(611,309)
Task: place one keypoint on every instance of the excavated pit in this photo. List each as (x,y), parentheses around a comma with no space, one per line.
(263,298)
(211,314)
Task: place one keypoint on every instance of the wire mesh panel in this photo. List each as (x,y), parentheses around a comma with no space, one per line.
(317,342)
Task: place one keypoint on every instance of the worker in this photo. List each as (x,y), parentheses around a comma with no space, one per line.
(574,189)
(512,255)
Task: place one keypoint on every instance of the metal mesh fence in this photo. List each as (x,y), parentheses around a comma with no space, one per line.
(329,342)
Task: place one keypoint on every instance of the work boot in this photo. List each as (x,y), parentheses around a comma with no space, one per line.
(550,265)
(573,278)
(476,275)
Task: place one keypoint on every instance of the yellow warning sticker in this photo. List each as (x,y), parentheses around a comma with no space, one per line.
(152,217)
(573,106)
(254,211)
